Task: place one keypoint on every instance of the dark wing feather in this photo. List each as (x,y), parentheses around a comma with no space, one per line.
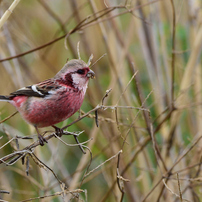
(38,90)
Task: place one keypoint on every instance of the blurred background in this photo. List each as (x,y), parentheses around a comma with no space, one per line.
(148,143)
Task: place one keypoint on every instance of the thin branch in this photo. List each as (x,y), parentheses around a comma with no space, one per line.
(8,117)
(103,163)
(172,191)
(179,188)
(76,191)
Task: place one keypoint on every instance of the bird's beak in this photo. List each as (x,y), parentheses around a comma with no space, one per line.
(91,74)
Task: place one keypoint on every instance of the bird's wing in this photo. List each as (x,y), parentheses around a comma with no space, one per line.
(41,89)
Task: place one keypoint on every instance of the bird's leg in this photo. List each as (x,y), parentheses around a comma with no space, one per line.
(40,137)
(58,131)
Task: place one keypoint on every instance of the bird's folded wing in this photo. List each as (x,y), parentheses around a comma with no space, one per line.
(41,89)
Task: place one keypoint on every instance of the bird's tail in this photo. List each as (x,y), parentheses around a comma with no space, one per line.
(4,98)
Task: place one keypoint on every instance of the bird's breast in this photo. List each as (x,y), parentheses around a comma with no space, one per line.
(43,112)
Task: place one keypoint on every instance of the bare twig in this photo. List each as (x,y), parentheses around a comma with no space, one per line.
(76,191)
(8,117)
(172,191)
(103,163)
(179,188)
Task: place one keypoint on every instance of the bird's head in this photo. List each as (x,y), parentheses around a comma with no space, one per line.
(75,73)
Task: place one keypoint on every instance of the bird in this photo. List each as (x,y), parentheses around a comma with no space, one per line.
(53,100)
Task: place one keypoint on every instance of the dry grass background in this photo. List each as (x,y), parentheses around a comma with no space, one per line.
(148,143)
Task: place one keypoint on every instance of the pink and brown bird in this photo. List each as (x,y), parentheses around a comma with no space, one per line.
(53,100)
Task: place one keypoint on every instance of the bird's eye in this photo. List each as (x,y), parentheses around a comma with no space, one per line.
(81,71)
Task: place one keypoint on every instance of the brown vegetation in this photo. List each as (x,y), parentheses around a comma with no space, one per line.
(146,100)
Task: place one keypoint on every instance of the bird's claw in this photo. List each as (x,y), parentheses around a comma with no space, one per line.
(42,140)
(58,131)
